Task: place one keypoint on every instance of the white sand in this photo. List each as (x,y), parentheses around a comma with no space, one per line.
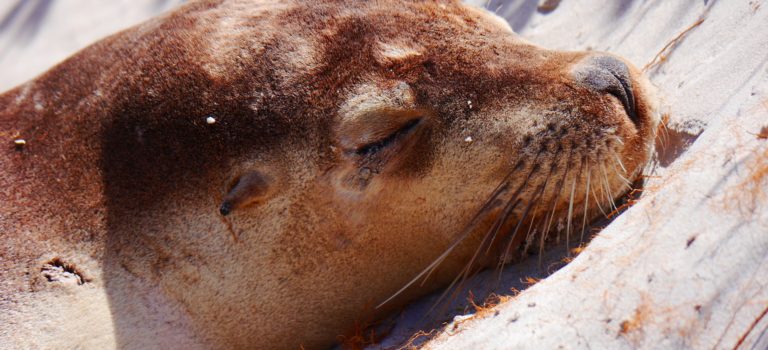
(41,33)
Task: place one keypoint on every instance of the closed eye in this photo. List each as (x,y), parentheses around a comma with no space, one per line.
(374,147)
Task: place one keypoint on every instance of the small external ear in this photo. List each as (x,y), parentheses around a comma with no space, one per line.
(251,187)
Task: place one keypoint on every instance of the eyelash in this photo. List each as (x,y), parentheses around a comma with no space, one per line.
(375,147)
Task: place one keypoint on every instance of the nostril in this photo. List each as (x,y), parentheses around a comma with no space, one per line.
(606,74)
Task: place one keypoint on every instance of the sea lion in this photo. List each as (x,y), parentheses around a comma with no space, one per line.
(264,174)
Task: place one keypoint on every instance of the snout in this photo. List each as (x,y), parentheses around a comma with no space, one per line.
(608,75)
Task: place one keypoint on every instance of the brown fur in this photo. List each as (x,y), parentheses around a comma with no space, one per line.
(121,178)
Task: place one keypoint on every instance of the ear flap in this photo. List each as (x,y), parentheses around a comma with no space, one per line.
(251,187)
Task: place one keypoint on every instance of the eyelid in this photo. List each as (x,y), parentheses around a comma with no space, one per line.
(404,130)
(375,126)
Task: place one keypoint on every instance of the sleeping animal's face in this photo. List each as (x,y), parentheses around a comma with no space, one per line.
(277,170)
(424,132)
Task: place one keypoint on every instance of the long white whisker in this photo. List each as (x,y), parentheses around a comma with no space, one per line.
(531,231)
(626,184)
(607,184)
(511,204)
(545,232)
(534,199)
(586,200)
(426,272)
(469,229)
(597,201)
(618,160)
(570,209)
(554,202)
(505,256)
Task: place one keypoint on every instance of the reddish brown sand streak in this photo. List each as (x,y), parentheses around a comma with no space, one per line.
(750,329)
(661,57)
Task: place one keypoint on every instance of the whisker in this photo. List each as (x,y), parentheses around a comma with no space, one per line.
(500,221)
(597,201)
(618,160)
(531,232)
(426,272)
(535,198)
(607,184)
(604,193)
(473,223)
(553,204)
(469,229)
(625,182)
(664,140)
(511,238)
(547,222)
(586,199)
(447,289)
(570,209)
(463,275)
(511,204)
(623,179)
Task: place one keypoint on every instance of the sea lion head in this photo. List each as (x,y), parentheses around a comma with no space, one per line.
(277,170)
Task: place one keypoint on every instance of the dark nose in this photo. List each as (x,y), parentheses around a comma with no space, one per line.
(609,75)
